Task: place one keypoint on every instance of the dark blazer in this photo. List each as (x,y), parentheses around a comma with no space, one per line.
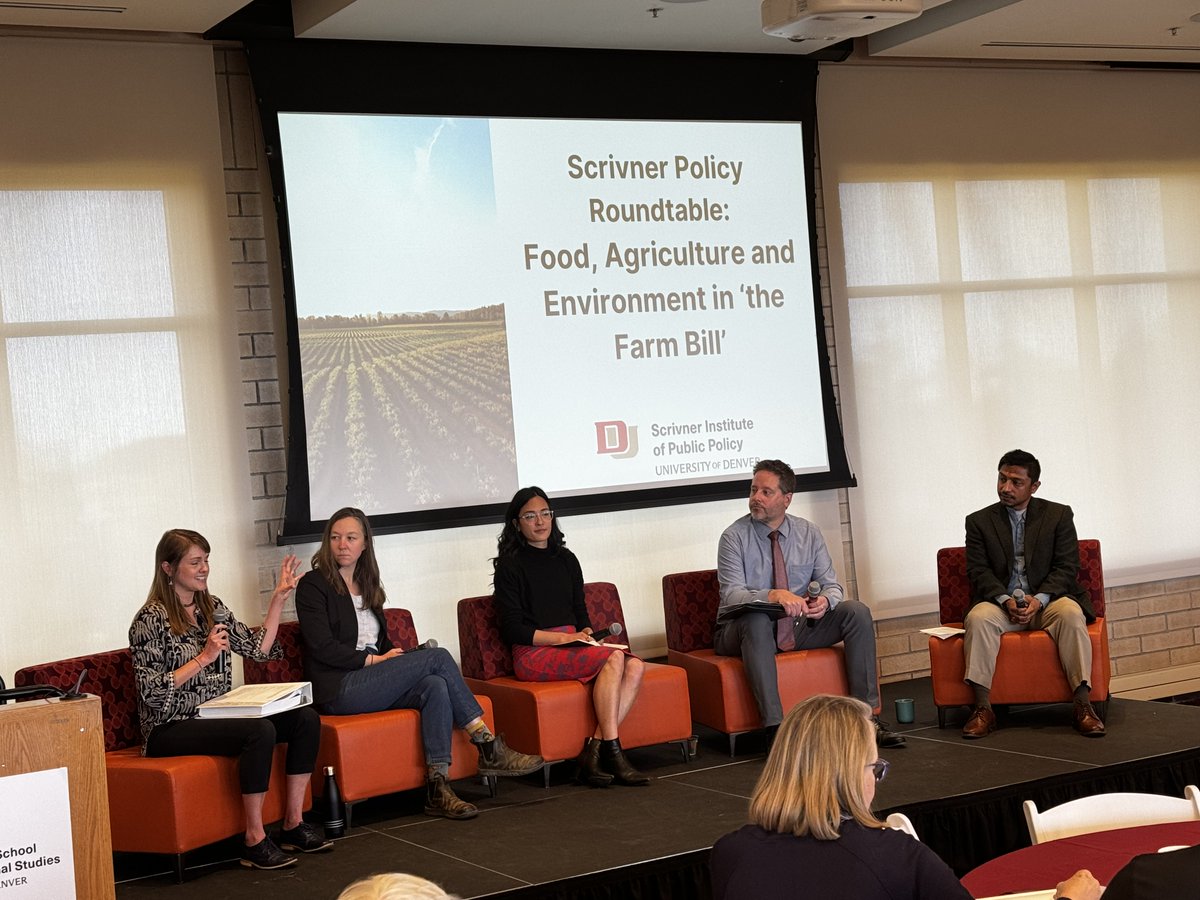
(1157,876)
(1051,553)
(329,630)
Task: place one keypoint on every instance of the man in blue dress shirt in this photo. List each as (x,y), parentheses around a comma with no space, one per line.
(770,556)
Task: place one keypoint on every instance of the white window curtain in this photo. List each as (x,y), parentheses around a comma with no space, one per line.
(1014,259)
(119,391)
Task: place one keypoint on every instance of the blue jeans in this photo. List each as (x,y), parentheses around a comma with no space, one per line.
(426,680)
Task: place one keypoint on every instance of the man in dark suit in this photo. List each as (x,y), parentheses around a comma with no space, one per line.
(1165,875)
(1022,561)
(1171,875)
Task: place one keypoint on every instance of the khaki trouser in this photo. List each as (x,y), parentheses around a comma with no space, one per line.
(1062,618)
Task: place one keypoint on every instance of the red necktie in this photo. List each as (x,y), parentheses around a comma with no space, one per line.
(785,628)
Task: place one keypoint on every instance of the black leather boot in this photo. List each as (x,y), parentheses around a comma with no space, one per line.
(614,762)
(589,771)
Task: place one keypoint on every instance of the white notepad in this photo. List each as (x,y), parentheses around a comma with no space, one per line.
(942,632)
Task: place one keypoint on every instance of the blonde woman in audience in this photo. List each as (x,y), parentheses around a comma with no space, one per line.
(394,886)
(812,831)
(812,828)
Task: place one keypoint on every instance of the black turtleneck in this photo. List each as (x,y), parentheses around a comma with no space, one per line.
(537,588)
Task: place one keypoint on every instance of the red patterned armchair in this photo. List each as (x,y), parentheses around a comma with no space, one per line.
(375,753)
(1027,668)
(720,693)
(552,718)
(167,805)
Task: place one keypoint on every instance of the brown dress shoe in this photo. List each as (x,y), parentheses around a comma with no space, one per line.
(981,724)
(1087,722)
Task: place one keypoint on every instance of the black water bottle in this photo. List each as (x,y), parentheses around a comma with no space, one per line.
(334,815)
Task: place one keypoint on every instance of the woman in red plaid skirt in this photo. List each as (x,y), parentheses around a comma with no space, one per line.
(539,598)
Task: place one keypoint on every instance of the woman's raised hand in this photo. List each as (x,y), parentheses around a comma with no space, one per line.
(287,576)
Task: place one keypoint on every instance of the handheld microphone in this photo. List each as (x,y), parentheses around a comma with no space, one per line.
(814,591)
(221,617)
(614,630)
(426,645)
(1019,596)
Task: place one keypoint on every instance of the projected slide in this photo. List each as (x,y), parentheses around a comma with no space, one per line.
(591,306)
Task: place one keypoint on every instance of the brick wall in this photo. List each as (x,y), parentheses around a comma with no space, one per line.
(257,297)
(1152,626)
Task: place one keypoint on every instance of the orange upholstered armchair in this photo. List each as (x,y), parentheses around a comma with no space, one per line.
(717,685)
(375,753)
(164,805)
(552,718)
(1027,669)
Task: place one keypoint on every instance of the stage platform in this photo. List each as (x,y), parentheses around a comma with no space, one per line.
(964,798)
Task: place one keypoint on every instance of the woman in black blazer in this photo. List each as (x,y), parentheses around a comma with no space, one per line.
(355,668)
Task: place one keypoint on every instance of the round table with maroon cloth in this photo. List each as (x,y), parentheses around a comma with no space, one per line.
(1104,853)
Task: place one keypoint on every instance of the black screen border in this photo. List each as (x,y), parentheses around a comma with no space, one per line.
(529,82)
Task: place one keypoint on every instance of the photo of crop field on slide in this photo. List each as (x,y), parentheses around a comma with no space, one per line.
(401,408)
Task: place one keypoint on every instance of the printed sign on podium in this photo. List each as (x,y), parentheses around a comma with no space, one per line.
(35,836)
(55,837)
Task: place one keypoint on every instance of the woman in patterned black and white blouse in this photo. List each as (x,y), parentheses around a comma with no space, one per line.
(179,640)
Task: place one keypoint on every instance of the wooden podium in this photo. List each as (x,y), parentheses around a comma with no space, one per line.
(38,735)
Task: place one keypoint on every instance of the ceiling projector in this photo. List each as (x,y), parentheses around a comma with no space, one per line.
(826,21)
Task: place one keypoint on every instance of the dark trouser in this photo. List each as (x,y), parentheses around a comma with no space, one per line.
(426,680)
(752,637)
(252,741)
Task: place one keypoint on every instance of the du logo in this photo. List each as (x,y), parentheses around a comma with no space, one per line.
(616,438)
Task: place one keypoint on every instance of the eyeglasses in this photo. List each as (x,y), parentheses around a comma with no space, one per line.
(540,514)
(880,768)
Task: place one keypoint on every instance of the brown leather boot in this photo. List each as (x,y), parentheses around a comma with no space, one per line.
(440,800)
(589,771)
(497,758)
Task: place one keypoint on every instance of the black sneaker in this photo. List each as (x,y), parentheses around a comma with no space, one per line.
(497,758)
(265,855)
(884,737)
(303,839)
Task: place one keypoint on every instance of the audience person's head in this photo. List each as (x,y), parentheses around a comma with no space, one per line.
(512,537)
(184,553)
(347,544)
(821,769)
(394,886)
